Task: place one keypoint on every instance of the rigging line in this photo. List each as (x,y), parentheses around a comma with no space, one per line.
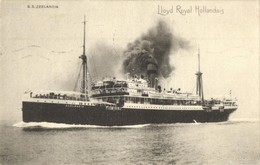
(89,73)
(58,76)
(113,43)
(193,88)
(92,61)
(63,52)
(43,48)
(25,47)
(77,80)
(72,49)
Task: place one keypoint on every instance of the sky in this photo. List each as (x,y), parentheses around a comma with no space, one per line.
(40,46)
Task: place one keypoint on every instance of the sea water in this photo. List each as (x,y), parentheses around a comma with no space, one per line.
(232,142)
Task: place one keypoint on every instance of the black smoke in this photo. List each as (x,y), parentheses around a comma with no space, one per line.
(157,45)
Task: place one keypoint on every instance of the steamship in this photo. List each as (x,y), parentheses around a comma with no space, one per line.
(134,100)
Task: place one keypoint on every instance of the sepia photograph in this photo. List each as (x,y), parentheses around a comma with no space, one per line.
(129,82)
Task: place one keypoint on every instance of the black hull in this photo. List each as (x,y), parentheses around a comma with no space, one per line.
(62,113)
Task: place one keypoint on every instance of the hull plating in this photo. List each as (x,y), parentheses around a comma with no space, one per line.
(62,113)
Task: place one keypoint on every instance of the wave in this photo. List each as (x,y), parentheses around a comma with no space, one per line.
(195,123)
(244,120)
(177,124)
(48,125)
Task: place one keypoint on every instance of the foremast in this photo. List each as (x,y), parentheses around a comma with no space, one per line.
(84,82)
(199,84)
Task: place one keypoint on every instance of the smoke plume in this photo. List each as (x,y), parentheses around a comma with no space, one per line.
(155,46)
(104,60)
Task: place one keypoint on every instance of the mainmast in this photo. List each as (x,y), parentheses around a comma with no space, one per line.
(84,87)
(199,87)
